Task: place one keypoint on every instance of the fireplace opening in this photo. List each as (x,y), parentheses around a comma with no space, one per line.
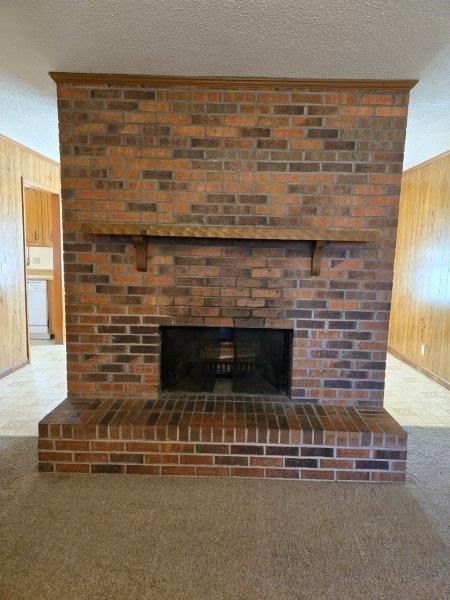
(225,360)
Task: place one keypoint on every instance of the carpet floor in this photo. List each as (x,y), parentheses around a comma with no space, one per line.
(122,537)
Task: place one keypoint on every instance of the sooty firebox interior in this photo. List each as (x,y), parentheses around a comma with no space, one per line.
(225,360)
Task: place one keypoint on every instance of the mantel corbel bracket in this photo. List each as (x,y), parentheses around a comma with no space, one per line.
(140,243)
(316,258)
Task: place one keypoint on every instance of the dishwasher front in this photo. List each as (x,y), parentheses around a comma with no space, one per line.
(37,309)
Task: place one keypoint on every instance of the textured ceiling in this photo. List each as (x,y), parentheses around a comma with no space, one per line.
(284,38)
(309,38)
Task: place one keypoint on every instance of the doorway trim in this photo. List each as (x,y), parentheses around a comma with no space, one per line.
(56,313)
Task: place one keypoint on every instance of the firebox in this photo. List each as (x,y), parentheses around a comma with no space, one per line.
(226,360)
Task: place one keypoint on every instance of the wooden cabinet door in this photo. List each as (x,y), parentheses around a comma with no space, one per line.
(47,221)
(33,220)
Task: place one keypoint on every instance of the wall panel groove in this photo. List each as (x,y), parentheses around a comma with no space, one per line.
(16,163)
(421,295)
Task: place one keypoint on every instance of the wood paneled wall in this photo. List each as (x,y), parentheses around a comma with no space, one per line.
(421,294)
(17,163)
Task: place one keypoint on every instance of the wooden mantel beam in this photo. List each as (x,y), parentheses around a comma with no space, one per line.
(141,233)
(229,82)
(233,232)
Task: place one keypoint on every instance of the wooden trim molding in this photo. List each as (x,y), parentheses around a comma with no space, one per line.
(229,82)
(42,187)
(426,372)
(24,274)
(20,365)
(57,285)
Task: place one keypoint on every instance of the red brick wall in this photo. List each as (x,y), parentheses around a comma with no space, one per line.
(232,157)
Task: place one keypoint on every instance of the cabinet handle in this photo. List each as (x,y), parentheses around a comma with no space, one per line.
(35,235)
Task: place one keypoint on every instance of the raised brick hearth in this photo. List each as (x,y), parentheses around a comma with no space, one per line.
(185,156)
(237,437)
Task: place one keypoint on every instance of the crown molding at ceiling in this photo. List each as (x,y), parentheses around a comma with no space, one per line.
(230,82)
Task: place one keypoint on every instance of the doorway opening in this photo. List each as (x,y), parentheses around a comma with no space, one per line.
(43,264)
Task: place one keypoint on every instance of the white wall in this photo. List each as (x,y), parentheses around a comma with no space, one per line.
(28,110)
(428,130)
(28,115)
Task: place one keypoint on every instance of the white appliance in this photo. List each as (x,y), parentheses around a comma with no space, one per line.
(37,309)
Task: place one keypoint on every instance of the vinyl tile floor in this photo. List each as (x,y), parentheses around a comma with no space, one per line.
(31,392)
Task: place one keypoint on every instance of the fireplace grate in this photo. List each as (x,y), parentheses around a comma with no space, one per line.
(233,360)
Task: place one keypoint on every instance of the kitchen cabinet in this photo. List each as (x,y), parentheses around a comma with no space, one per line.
(46,213)
(38,218)
(33,220)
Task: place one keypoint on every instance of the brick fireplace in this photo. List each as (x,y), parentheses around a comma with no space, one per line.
(231,205)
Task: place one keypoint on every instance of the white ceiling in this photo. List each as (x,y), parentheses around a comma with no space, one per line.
(284,38)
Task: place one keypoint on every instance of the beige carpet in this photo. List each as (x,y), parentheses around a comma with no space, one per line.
(136,537)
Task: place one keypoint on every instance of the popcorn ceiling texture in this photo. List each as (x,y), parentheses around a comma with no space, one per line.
(264,38)
(339,39)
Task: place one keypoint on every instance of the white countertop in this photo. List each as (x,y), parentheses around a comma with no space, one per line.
(46,274)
